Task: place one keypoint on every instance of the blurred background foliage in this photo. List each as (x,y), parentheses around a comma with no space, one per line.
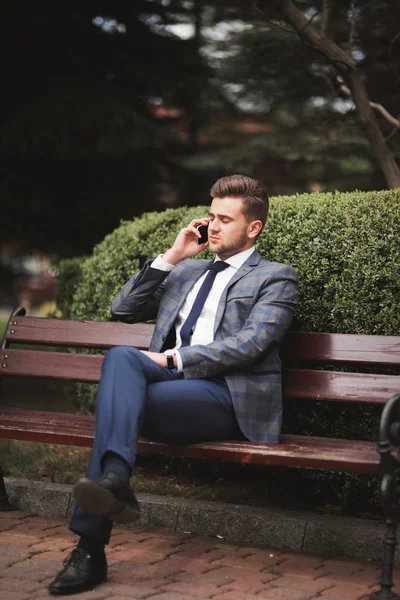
(111,109)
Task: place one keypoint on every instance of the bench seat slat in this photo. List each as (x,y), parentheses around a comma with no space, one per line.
(297,383)
(293,451)
(86,334)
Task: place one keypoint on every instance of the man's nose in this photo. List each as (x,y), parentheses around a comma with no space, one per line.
(213,227)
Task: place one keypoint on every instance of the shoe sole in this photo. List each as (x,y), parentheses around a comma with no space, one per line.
(97,500)
(68,591)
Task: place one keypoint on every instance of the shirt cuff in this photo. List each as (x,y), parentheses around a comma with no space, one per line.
(179,364)
(160,264)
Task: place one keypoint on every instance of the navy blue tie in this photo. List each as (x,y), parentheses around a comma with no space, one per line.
(187,328)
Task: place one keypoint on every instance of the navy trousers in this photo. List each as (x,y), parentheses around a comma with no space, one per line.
(138,397)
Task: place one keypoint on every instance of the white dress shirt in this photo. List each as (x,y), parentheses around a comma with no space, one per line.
(203,331)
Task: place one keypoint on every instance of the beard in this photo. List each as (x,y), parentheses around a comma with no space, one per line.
(232,248)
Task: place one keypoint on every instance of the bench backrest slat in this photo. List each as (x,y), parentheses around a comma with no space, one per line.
(297,383)
(335,348)
(85,334)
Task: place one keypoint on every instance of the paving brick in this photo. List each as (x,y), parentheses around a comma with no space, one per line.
(146,572)
(15,515)
(116,596)
(174,536)
(191,565)
(253,585)
(365,578)
(6,524)
(175,596)
(159,545)
(347,592)
(301,583)
(112,589)
(97,594)
(241,574)
(305,558)
(51,555)
(120,538)
(16,540)
(35,573)
(18,585)
(29,529)
(299,562)
(205,590)
(283,593)
(324,597)
(235,596)
(126,554)
(130,578)
(351,565)
(12,555)
(209,555)
(50,544)
(12,595)
(202,546)
(250,562)
(214,577)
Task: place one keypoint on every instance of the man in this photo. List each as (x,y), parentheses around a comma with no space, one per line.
(212,372)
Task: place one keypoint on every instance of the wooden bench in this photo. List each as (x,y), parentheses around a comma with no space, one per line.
(298,351)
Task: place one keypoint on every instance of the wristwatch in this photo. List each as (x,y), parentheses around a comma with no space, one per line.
(169,355)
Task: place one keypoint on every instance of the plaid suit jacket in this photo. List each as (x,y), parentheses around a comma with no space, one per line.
(254,313)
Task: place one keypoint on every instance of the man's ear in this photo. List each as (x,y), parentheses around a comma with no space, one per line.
(254,229)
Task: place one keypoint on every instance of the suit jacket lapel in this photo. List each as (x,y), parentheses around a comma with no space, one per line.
(246,268)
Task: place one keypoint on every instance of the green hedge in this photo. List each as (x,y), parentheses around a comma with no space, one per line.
(345,247)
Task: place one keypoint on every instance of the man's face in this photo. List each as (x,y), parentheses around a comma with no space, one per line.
(229,232)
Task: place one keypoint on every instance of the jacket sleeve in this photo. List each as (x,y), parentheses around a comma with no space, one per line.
(140,297)
(266,324)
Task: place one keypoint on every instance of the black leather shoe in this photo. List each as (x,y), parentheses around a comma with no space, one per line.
(81,572)
(109,497)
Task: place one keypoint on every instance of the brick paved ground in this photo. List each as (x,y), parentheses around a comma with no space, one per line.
(164,565)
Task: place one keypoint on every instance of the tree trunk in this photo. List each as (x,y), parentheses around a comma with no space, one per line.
(372,131)
(345,65)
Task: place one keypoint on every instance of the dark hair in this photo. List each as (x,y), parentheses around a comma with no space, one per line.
(251,191)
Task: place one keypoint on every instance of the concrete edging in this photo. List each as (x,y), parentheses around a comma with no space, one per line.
(293,531)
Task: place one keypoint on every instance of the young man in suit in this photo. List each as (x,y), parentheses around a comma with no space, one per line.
(212,371)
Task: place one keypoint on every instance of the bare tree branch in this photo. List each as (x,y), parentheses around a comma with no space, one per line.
(325,17)
(352,26)
(347,68)
(392,134)
(343,88)
(309,33)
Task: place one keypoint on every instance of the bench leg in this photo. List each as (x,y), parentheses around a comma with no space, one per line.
(4,503)
(389,440)
(386,580)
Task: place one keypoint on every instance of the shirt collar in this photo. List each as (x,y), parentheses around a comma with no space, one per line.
(239,259)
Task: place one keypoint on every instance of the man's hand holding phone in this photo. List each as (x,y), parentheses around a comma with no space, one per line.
(190,241)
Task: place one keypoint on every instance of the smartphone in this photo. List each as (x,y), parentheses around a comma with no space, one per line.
(203,229)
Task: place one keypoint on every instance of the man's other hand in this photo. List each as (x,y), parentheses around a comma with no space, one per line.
(158,357)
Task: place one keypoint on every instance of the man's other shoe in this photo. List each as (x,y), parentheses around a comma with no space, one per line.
(81,572)
(108,497)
